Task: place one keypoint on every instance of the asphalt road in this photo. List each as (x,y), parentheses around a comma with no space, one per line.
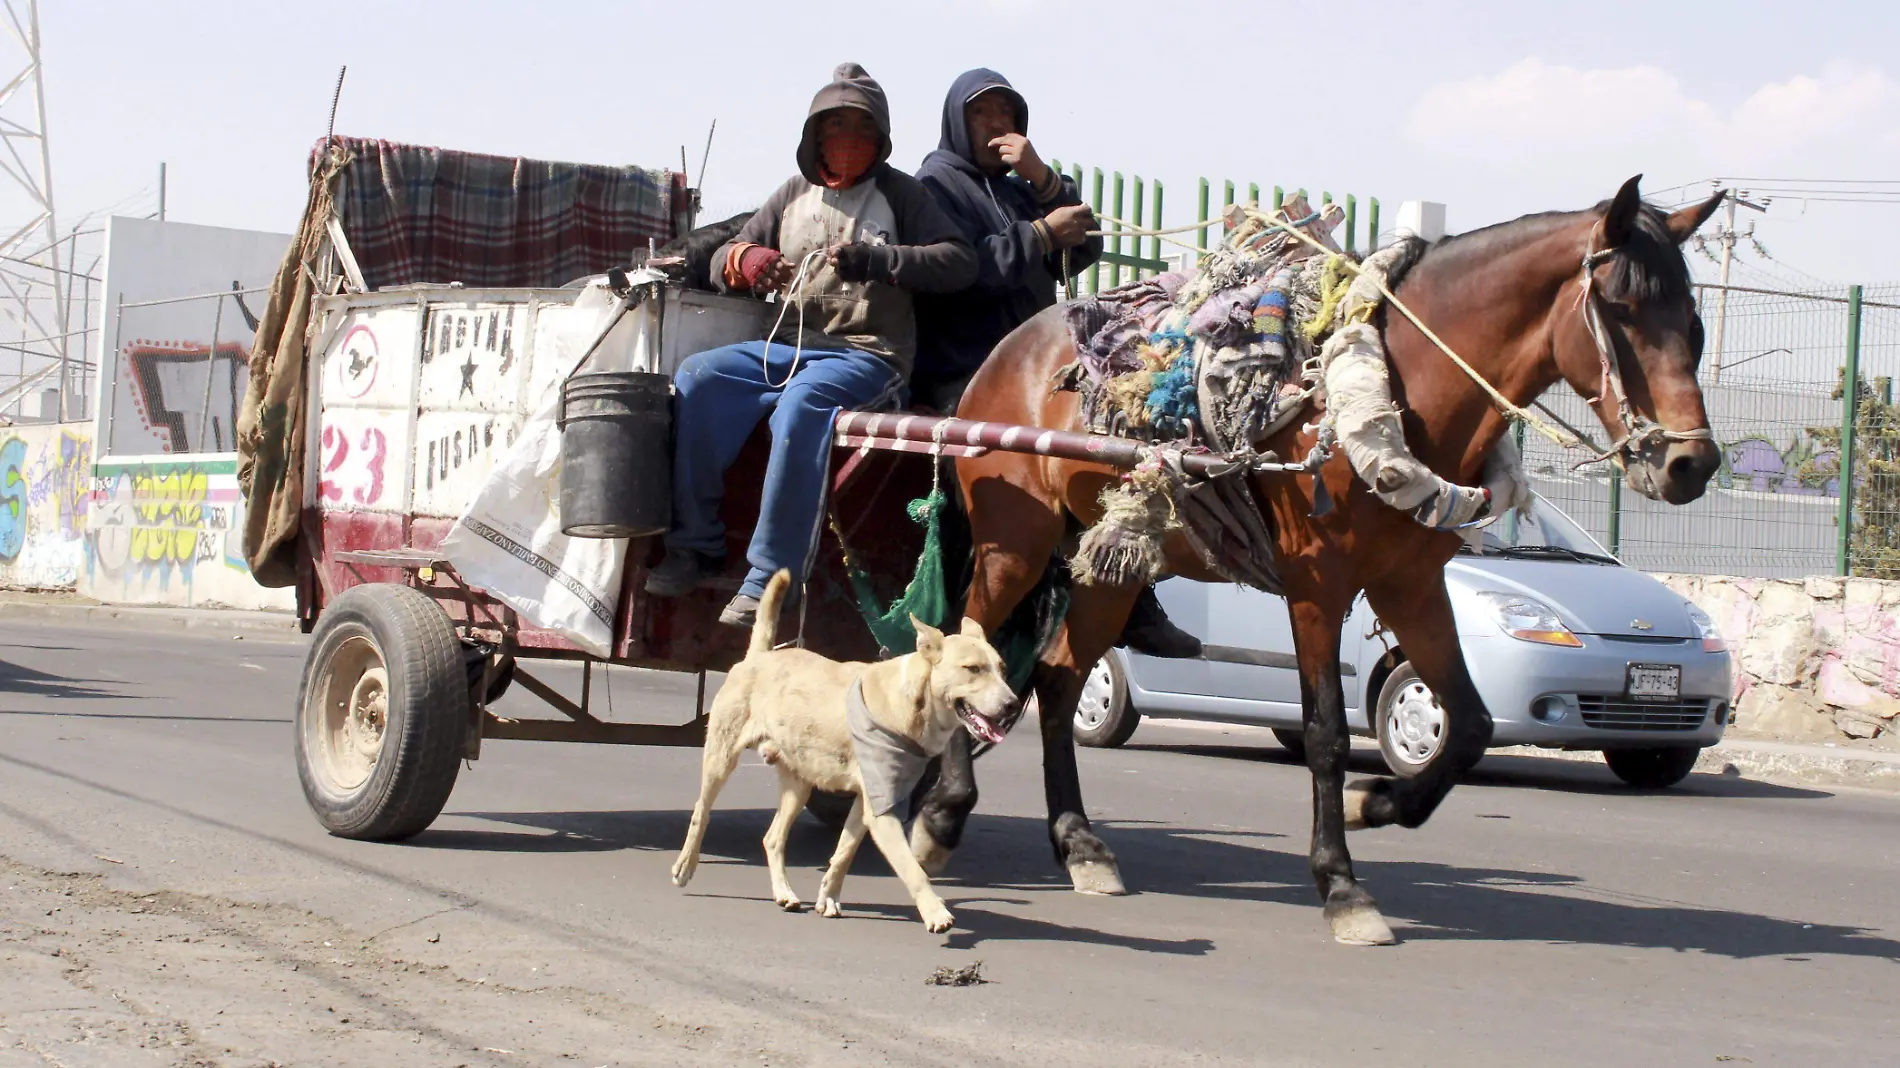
(169,900)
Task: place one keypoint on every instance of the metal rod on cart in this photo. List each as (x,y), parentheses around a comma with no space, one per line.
(1008,437)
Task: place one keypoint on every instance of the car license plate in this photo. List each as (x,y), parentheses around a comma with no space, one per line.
(1655,682)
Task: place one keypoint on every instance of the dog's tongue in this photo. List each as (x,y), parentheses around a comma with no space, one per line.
(983,729)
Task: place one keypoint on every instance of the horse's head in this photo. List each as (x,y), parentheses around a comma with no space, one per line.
(1630,340)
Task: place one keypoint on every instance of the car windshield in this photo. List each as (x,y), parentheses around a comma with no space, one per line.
(1547,533)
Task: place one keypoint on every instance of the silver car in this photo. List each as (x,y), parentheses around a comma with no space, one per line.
(1569,648)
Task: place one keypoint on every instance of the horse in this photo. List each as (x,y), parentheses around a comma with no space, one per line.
(1554,297)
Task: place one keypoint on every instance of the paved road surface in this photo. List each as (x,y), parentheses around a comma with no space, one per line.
(169,900)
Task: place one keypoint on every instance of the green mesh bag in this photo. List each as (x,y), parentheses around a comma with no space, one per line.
(1019,641)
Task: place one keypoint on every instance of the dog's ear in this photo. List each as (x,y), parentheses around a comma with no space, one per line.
(972,629)
(929,640)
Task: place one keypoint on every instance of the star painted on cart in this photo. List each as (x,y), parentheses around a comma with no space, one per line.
(468,376)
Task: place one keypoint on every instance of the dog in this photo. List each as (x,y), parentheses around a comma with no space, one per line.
(799,710)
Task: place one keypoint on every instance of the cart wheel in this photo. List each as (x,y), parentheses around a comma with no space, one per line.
(382,714)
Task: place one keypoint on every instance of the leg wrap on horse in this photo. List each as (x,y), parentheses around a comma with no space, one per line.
(1359,401)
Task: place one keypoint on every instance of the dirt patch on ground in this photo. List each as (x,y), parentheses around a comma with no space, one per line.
(95,976)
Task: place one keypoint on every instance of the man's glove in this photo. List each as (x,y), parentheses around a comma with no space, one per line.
(754,260)
(862,263)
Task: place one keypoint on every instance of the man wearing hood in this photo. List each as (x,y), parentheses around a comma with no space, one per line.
(852,238)
(1021,224)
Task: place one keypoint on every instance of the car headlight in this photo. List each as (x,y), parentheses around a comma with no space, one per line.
(1528,619)
(1705,629)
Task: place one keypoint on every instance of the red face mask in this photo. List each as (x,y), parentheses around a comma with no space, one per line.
(845,157)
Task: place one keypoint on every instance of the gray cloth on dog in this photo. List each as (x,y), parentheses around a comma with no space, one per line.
(890,764)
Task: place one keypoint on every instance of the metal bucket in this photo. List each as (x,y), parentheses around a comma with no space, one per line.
(616,456)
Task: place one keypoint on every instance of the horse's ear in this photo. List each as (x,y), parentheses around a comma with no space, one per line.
(1688,220)
(1621,218)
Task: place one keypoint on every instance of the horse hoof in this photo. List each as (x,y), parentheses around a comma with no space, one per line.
(1356,796)
(931,855)
(1096,877)
(1361,925)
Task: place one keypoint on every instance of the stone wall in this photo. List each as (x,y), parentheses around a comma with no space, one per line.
(1816,659)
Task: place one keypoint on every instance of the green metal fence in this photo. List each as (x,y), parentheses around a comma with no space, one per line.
(1771,379)
(1127,257)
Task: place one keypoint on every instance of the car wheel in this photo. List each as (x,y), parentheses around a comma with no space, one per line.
(1411,723)
(1652,769)
(1104,717)
(1294,742)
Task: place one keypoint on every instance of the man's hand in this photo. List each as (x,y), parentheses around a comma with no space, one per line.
(1069,226)
(858,262)
(774,277)
(1021,157)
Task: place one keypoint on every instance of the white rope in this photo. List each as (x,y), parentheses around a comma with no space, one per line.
(794,293)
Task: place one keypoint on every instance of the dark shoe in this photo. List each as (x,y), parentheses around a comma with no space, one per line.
(682,572)
(1150,631)
(741,611)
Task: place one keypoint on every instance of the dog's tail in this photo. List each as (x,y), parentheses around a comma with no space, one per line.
(765,626)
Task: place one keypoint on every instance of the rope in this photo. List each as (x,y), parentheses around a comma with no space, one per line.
(794,294)
(1125,229)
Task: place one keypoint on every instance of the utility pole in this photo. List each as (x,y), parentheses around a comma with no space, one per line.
(1727,239)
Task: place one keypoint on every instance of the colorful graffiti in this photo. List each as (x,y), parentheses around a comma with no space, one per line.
(1800,468)
(45,479)
(170,533)
(12,498)
(188,398)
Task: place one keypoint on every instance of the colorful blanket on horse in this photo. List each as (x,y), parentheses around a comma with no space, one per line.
(1211,358)
(1219,360)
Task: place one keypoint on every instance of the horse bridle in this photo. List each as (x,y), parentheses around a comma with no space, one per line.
(1639,430)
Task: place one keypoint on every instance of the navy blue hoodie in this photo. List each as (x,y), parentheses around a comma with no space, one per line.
(1015,278)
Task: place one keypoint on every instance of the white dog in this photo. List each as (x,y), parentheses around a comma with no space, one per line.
(849,728)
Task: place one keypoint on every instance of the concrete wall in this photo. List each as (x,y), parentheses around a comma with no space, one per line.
(45,484)
(164,514)
(163,389)
(171,532)
(1815,658)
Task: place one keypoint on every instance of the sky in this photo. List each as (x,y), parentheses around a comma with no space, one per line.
(1492,108)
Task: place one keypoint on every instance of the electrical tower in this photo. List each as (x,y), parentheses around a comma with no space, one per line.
(27,160)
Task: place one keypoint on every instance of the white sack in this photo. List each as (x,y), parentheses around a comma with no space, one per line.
(509,541)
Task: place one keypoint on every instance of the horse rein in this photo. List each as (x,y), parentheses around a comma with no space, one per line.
(1639,429)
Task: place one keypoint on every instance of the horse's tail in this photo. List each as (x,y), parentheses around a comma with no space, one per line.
(765,626)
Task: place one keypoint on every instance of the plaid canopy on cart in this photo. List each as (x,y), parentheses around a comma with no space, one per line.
(418,214)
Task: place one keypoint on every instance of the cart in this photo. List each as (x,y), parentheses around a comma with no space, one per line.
(412,398)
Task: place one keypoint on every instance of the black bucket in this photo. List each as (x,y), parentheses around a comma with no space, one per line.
(616,459)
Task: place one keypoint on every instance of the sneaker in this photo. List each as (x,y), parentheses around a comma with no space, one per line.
(741,611)
(1150,631)
(682,572)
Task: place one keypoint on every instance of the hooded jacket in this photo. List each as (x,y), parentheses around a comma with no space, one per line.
(1016,276)
(917,247)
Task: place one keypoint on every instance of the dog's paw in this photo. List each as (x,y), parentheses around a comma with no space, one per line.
(683,869)
(828,908)
(788,901)
(937,918)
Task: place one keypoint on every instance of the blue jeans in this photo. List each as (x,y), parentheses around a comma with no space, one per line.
(723,393)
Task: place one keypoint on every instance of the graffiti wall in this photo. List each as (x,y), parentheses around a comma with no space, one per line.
(161,532)
(45,492)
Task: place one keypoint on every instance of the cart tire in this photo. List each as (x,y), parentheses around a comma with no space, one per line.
(382,714)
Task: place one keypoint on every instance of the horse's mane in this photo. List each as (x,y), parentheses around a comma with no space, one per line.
(1648,265)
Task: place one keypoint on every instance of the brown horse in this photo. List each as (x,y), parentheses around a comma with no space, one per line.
(1513,301)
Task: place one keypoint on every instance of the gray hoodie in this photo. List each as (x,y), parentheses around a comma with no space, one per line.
(921,249)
